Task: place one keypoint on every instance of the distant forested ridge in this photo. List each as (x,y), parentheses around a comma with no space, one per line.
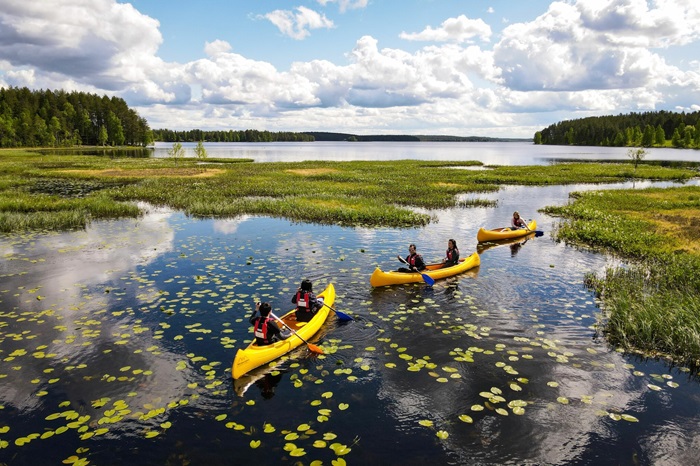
(251,135)
(325,136)
(647,129)
(248,135)
(48,118)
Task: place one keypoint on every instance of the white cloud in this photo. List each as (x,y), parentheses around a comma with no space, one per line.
(345,5)
(593,57)
(95,42)
(460,29)
(298,25)
(216,47)
(572,47)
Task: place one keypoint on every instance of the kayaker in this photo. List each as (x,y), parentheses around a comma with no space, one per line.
(517,223)
(413,260)
(452,254)
(307,302)
(265,328)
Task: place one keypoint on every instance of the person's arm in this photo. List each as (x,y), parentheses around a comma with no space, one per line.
(420,265)
(254,315)
(276,332)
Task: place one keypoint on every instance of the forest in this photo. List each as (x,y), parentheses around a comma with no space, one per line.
(46,118)
(647,129)
(248,135)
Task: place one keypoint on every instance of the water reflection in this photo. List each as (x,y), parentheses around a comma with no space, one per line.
(136,323)
(490,153)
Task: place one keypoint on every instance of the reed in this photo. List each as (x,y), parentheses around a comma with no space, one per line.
(651,305)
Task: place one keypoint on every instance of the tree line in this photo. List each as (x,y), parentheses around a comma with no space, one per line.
(46,118)
(648,129)
(248,135)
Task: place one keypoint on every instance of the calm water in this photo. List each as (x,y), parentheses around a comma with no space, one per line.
(490,153)
(116,346)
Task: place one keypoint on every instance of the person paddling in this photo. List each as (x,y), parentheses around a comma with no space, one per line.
(517,223)
(413,260)
(307,302)
(265,328)
(452,254)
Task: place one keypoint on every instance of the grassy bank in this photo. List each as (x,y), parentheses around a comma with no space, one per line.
(49,191)
(653,305)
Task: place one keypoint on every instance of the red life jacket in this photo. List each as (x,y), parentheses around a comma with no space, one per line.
(303,301)
(449,253)
(260,330)
(411,259)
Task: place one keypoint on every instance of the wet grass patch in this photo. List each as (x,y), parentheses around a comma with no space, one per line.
(652,305)
(366,193)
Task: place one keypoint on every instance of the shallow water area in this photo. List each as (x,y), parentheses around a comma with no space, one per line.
(116,346)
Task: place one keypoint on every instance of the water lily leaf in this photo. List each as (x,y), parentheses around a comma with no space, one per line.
(338,462)
(426,423)
(254,444)
(343,406)
(269,428)
(502,411)
(221,417)
(654,387)
(553,384)
(319,444)
(340,449)
(442,435)
(477,408)
(303,427)
(152,433)
(327,394)
(315,403)
(519,410)
(291,436)
(466,418)
(563,400)
(629,418)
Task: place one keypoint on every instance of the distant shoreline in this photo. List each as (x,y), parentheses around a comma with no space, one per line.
(326,136)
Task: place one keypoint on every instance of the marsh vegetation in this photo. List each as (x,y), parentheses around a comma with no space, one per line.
(356,193)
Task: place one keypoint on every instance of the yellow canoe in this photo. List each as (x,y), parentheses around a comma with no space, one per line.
(504,233)
(255,356)
(434,271)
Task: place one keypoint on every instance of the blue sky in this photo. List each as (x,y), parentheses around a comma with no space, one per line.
(501,68)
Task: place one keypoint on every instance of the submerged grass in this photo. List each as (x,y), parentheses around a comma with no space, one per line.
(348,193)
(652,305)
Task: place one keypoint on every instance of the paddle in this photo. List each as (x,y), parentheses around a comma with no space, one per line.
(538,233)
(426,278)
(313,348)
(341,315)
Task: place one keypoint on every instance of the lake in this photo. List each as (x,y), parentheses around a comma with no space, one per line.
(489,153)
(117,342)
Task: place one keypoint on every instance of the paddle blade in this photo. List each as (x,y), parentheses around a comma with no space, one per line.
(314,349)
(428,279)
(341,315)
(539,233)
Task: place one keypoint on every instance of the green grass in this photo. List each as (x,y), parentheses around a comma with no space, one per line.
(366,193)
(652,305)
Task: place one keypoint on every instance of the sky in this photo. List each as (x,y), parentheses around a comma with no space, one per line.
(497,68)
